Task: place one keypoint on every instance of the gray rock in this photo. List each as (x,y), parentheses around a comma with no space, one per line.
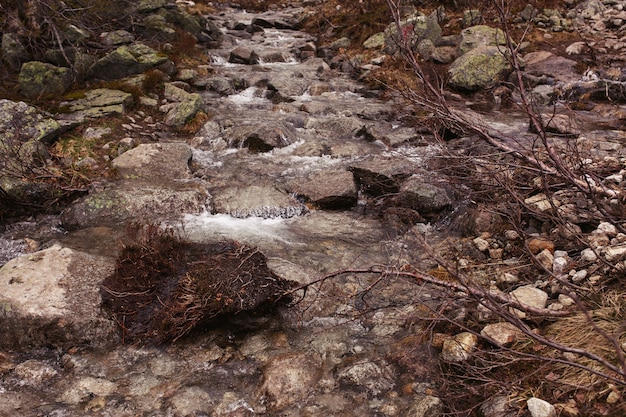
(376,41)
(426,406)
(184,111)
(479,68)
(546,64)
(328,189)
(540,408)
(74,34)
(504,334)
(427,199)
(132,202)
(481,36)
(530,296)
(100,102)
(20,118)
(126,61)
(117,37)
(376,377)
(289,379)
(13,52)
(498,406)
(459,348)
(51,298)
(416,27)
(40,79)
(147,6)
(155,161)
(243,55)
(256,201)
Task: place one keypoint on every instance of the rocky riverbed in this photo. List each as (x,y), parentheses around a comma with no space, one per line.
(318,171)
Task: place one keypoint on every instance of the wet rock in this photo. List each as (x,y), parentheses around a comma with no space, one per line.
(426,406)
(425,198)
(126,61)
(544,63)
(540,408)
(459,348)
(289,379)
(40,79)
(50,298)
(154,161)
(479,68)
(328,189)
(376,377)
(100,102)
(119,204)
(243,55)
(261,137)
(34,372)
(256,201)
(190,401)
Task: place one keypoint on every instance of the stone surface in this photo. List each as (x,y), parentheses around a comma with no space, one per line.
(459,348)
(127,60)
(479,68)
(540,408)
(530,296)
(481,36)
(51,298)
(256,201)
(426,406)
(154,161)
(503,334)
(289,379)
(40,79)
(100,102)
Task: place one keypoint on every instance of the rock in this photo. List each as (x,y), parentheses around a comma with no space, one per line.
(545,259)
(243,55)
(481,36)
(35,373)
(471,18)
(50,298)
(155,161)
(479,68)
(185,110)
(540,408)
(503,334)
(262,137)
(615,253)
(289,379)
(429,200)
(376,377)
(328,189)
(444,54)
(459,348)
(31,124)
(155,26)
(126,61)
(147,6)
(256,201)
(416,27)
(481,244)
(544,63)
(529,296)
(426,406)
(376,41)
(563,124)
(39,79)
(87,388)
(588,255)
(13,52)
(190,401)
(100,102)
(75,35)
(116,37)
(498,406)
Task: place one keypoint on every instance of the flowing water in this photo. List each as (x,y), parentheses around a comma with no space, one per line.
(350,346)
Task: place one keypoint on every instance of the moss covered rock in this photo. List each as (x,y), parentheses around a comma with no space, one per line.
(479,68)
(40,79)
(481,35)
(127,60)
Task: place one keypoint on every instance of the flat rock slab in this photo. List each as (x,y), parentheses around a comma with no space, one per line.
(155,161)
(256,201)
(99,102)
(51,298)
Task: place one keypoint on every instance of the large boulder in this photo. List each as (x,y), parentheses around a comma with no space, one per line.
(414,28)
(40,79)
(127,60)
(479,68)
(51,299)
